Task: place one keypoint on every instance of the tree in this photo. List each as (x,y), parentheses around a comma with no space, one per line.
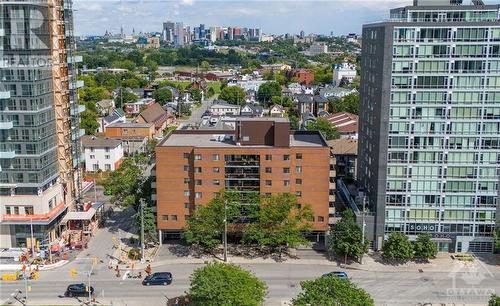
(325,127)
(88,122)
(349,103)
(397,247)
(163,95)
(233,94)
(281,223)
(124,184)
(149,221)
(210,92)
(494,300)
(205,227)
(346,238)
(330,290)
(93,94)
(220,284)
(283,101)
(424,247)
(205,66)
(268,90)
(294,122)
(196,94)
(124,96)
(125,64)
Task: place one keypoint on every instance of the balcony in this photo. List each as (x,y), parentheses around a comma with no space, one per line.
(80,109)
(4,94)
(331,198)
(77,84)
(36,218)
(6,125)
(153,197)
(153,185)
(7,154)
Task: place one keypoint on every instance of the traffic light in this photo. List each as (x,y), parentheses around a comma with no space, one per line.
(73,272)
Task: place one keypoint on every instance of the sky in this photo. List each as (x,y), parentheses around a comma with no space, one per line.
(94,17)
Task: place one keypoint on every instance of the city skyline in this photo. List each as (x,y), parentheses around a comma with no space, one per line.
(319,17)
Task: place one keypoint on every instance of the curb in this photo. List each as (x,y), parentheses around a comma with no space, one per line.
(53,266)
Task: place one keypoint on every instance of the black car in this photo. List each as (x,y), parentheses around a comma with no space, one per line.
(78,290)
(158,278)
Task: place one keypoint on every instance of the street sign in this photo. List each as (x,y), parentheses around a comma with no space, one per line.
(73,272)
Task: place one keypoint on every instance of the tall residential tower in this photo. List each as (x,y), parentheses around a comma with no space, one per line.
(39,119)
(429,139)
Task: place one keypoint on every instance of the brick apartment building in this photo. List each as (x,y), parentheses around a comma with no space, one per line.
(260,155)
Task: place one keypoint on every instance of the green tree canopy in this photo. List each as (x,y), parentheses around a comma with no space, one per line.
(267,91)
(149,221)
(494,300)
(424,247)
(349,103)
(233,94)
(346,238)
(325,127)
(124,184)
(124,96)
(163,95)
(124,64)
(397,248)
(330,290)
(281,223)
(196,94)
(88,122)
(219,284)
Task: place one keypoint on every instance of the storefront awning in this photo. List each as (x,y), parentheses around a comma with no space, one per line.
(79,215)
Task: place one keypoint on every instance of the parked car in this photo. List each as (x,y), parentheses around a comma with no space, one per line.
(338,274)
(158,278)
(78,290)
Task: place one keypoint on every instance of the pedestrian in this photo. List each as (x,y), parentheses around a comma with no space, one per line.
(148,270)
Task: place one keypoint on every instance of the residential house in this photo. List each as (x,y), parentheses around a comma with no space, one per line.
(304,76)
(135,108)
(116,116)
(156,115)
(345,152)
(277,111)
(311,103)
(200,84)
(346,123)
(251,110)
(102,154)
(295,88)
(105,107)
(133,144)
(129,129)
(345,72)
(335,92)
(222,108)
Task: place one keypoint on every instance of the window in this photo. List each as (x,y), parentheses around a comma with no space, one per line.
(286,183)
(107,167)
(107,149)
(269,157)
(298,206)
(321,219)
(216,169)
(95,167)
(92,156)
(16,210)
(298,181)
(107,157)
(216,182)
(197,169)
(269,170)
(186,155)
(197,157)
(186,180)
(215,157)
(186,168)
(269,183)
(286,157)
(298,169)
(267,194)
(164,218)
(298,193)
(298,156)
(186,193)
(91,149)
(198,182)
(7,210)
(186,205)
(286,170)
(198,195)
(173,217)
(28,210)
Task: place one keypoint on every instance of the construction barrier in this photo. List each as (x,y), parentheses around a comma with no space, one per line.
(10,276)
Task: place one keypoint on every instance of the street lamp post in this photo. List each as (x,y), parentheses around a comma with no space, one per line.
(225,231)
(32,239)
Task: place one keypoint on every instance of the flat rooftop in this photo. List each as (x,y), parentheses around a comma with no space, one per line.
(221,140)
(130,125)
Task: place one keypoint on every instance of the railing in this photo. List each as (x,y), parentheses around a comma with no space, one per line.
(37,217)
(346,196)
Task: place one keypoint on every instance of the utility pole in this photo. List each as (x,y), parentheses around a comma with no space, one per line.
(142,230)
(225,230)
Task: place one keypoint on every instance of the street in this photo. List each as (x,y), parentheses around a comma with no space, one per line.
(197,112)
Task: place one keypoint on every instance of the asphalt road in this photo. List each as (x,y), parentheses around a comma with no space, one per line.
(387,288)
(197,112)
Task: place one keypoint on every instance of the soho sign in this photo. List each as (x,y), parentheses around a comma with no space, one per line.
(22,30)
(422,227)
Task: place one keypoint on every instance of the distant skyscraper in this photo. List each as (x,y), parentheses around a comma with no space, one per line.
(168,31)
(39,120)
(429,138)
(179,34)
(302,34)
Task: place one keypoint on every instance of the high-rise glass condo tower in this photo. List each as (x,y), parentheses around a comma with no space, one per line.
(39,119)
(429,139)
